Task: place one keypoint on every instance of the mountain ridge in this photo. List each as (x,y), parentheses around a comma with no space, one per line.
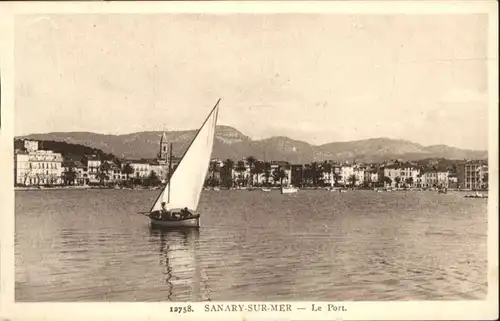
(232,143)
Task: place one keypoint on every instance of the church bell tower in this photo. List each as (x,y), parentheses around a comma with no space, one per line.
(164,148)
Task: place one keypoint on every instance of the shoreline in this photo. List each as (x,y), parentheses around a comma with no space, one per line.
(323,189)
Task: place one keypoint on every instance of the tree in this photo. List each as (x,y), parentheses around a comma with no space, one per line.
(297,175)
(25,177)
(485,180)
(336,178)
(103,173)
(387,180)
(267,172)
(227,172)
(251,164)
(258,170)
(352,179)
(68,149)
(240,168)
(128,170)
(69,174)
(409,181)
(53,178)
(397,180)
(316,173)
(39,178)
(307,175)
(278,175)
(153,179)
(214,168)
(327,168)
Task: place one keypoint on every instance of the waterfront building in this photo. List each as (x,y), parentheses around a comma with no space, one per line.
(371,176)
(399,175)
(388,174)
(114,172)
(345,172)
(452,180)
(141,168)
(408,175)
(434,178)
(22,168)
(33,166)
(81,173)
(471,175)
(74,172)
(93,165)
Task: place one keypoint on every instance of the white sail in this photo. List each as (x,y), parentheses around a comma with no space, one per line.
(185,185)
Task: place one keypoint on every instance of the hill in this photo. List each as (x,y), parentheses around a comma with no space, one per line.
(231,143)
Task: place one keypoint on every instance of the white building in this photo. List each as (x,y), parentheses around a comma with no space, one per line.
(93,165)
(346,171)
(37,167)
(434,179)
(400,175)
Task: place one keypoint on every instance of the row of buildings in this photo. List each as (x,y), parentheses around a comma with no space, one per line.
(33,166)
(42,167)
(471,175)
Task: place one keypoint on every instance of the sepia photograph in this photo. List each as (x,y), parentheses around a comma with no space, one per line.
(198,157)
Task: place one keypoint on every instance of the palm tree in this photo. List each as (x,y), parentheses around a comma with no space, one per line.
(315,172)
(240,168)
(251,163)
(307,175)
(278,175)
(485,180)
(267,172)
(352,179)
(214,168)
(258,170)
(327,169)
(227,170)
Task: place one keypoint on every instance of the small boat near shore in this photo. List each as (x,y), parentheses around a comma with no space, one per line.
(264,189)
(477,195)
(177,204)
(289,189)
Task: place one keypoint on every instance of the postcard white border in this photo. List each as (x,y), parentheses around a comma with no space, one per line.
(398,310)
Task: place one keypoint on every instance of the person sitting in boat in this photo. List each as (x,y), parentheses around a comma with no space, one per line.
(185,213)
(163,210)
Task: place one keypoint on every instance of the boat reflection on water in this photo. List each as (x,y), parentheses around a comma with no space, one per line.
(179,255)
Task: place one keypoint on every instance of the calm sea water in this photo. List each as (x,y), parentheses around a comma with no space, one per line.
(90,245)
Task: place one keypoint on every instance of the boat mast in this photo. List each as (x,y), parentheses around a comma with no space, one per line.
(169,171)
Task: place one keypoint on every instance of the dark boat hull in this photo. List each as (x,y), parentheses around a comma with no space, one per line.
(190,221)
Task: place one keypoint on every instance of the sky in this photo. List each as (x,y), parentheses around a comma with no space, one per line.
(318,78)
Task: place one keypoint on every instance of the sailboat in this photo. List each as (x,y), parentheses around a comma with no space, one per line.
(177,204)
